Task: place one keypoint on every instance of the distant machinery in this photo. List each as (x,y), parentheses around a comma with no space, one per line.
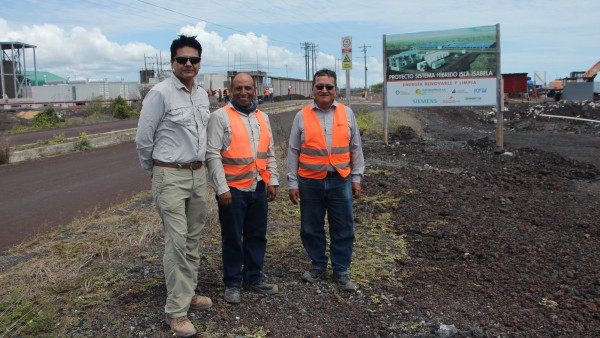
(556,87)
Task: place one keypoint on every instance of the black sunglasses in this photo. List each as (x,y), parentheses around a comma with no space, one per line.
(321,86)
(182,60)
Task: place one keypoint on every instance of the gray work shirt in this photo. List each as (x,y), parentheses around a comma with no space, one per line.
(172,124)
(298,134)
(219,139)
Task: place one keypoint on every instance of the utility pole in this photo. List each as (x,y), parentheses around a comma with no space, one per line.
(314,58)
(306,47)
(364,49)
(309,57)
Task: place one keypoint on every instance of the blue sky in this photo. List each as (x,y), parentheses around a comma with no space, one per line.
(114,39)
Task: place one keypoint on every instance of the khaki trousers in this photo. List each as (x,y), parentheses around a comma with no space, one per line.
(181,198)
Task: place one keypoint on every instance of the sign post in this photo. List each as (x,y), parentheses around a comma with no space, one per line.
(347,63)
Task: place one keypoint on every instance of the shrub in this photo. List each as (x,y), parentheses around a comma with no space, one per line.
(47,118)
(83,143)
(120,109)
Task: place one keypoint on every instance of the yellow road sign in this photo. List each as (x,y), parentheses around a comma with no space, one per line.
(347,62)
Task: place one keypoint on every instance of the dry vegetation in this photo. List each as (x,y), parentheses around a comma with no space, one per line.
(68,281)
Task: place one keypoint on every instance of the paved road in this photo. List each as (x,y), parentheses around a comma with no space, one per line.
(40,195)
(33,136)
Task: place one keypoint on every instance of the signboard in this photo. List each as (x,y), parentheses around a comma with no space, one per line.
(456,67)
(539,78)
(347,53)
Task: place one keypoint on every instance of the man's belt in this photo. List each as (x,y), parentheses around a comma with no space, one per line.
(333,174)
(193,165)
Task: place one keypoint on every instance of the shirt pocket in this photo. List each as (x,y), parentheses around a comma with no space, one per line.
(202,114)
(179,115)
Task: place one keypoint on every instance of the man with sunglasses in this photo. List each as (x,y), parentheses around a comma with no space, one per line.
(243,173)
(171,145)
(325,166)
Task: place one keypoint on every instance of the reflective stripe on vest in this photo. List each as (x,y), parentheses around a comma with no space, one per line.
(238,161)
(314,158)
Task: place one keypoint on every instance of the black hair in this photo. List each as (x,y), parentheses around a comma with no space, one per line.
(185,41)
(325,72)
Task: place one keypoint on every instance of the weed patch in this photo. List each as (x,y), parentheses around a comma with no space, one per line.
(83,143)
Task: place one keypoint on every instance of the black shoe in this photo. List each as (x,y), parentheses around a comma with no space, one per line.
(262,288)
(314,276)
(344,283)
(232,295)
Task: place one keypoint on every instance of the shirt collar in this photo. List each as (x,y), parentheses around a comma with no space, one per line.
(333,105)
(179,85)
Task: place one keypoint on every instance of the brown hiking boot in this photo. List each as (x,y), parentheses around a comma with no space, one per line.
(200,303)
(181,326)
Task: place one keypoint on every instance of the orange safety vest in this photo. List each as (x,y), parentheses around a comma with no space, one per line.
(238,162)
(314,157)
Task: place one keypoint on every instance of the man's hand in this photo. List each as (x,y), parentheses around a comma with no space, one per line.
(355,190)
(294,196)
(271,193)
(225,199)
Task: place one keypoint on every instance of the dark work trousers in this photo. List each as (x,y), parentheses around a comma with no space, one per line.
(331,197)
(243,235)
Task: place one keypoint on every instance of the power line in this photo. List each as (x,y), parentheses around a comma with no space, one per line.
(191,17)
(136,11)
(200,19)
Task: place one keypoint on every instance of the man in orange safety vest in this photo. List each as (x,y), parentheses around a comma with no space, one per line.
(325,166)
(242,171)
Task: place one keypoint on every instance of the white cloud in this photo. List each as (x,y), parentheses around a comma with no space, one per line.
(79,52)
